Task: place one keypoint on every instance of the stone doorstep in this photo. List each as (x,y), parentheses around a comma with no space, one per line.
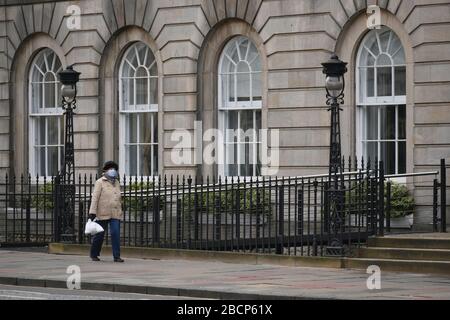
(441,268)
(404,254)
(412,242)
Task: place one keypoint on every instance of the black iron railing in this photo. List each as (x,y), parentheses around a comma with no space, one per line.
(281,215)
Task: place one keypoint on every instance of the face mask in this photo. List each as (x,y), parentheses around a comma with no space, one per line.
(111,174)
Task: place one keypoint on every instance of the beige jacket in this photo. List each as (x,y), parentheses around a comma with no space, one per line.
(106,200)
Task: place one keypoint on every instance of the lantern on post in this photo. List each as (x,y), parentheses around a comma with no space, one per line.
(65,182)
(335,69)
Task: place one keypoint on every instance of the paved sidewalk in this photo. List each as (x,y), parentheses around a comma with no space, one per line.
(215,279)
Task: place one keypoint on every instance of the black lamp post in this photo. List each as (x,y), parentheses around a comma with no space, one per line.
(334,69)
(65,182)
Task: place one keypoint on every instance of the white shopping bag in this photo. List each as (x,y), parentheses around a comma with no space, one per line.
(93,227)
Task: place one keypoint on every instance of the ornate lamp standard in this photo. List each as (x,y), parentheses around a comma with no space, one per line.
(334,69)
(65,182)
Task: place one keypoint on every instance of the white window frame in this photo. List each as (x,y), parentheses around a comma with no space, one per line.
(379,140)
(377,101)
(237,106)
(46,112)
(138,109)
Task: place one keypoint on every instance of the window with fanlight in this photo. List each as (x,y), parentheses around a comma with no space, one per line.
(240,104)
(381,99)
(138,107)
(46,141)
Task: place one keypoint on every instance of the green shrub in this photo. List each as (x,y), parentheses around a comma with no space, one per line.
(137,202)
(248,201)
(402,203)
(43,200)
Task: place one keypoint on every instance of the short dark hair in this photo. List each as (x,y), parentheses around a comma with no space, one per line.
(110,164)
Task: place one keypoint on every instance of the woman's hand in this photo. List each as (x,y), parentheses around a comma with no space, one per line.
(92,217)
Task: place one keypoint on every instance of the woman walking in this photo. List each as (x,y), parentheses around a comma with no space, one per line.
(106,206)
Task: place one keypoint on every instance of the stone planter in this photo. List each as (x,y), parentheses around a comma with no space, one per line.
(405,222)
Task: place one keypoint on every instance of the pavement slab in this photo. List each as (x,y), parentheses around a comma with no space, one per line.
(212,279)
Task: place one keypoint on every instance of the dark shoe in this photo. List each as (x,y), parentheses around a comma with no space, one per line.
(95,259)
(118,260)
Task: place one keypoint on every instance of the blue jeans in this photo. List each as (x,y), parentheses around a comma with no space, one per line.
(97,240)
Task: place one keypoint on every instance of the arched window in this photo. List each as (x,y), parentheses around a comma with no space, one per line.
(45,113)
(138,106)
(240,103)
(381,96)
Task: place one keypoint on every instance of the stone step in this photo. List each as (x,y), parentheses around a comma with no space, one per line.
(409,242)
(404,254)
(409,266)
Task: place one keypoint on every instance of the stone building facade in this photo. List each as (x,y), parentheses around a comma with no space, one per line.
(401,70)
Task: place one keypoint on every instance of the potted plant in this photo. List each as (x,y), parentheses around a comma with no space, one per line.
(401,206)
(224,202)
(253,208)
(43,200)
(139,201)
